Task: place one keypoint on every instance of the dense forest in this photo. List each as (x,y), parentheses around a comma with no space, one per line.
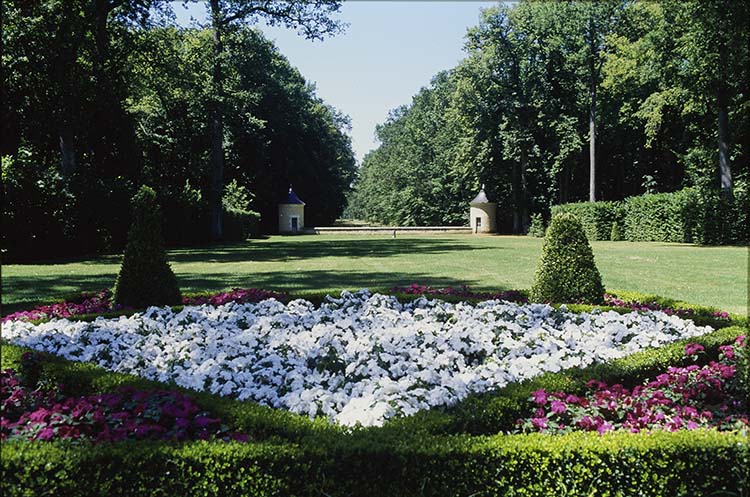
(561,102)
(102,96)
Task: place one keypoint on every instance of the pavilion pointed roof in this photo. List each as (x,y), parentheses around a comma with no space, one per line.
(292,198)
(481,198)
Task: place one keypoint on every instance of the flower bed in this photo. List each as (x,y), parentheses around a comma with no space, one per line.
(360,358)
(100,303)
(462,291)
(87,303)
(33,413)
(682,397)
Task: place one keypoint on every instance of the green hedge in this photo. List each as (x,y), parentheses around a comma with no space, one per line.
(663,217)
(658,464)
(686,216)
(240,224)
(596,218)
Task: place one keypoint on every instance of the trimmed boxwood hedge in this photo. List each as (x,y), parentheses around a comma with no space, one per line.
(659,464)
(685,216)
(597,218)
(566,271)
(239,224)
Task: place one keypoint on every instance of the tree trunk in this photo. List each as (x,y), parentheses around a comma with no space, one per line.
(593,76)
(518,185)
(592,144)
(217,129)
(592,117)
(67,154)
(725,168)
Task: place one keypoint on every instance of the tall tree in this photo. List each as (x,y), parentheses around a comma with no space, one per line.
(313,20)
(600,19)
(715,47)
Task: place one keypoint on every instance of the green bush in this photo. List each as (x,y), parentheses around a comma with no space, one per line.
(566,270)
(690,215)
(239,221)
(537,226)
(239,225)
(145,277)
(661,464)
(597,218)
(663,217)
(432,453)
(723,220)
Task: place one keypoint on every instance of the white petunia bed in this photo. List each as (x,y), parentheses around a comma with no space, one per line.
(361,358)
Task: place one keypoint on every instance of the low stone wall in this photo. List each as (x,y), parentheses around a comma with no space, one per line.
(384,230)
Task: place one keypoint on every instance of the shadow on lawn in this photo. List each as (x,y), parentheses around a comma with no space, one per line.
(27,290)
(311,247)
(314,281)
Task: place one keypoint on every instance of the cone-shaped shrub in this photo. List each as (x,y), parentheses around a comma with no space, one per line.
(145,277)
(566,270)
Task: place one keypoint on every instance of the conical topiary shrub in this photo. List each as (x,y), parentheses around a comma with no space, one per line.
(145,277)
(566,270)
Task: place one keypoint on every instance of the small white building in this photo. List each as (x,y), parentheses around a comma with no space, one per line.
(482,214)
(291,213)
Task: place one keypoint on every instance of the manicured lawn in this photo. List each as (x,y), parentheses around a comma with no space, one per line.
(715,276)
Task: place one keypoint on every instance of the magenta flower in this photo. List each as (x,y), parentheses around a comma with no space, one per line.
(686,397)
(539,423)
(539,396)
(693,348)
(46,434)
(558,407)
(727,351)
(111,417)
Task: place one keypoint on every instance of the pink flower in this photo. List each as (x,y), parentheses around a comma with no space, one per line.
(693,349)
(558,407)
(604,428)
(539,423)
(46,434)
(539,396)
(727,351)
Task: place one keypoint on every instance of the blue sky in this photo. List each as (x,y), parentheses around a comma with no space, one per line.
(390,50)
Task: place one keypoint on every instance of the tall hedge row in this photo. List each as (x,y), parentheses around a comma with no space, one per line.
(596,218)
(687,463)
(686,216)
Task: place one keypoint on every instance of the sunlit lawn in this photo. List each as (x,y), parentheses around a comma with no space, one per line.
(715,276)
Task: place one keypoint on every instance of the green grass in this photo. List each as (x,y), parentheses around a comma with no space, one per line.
(712,276)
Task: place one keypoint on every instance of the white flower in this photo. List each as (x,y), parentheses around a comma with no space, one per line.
(357,359)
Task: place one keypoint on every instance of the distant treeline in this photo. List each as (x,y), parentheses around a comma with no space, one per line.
(664,86)
(95,104)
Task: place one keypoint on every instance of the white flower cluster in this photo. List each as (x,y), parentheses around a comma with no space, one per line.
(360,358)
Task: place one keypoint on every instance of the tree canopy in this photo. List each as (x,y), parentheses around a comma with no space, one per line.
(101,97)
(662,87)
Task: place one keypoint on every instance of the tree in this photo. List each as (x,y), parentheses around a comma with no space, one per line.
(313,20)
(145,277)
